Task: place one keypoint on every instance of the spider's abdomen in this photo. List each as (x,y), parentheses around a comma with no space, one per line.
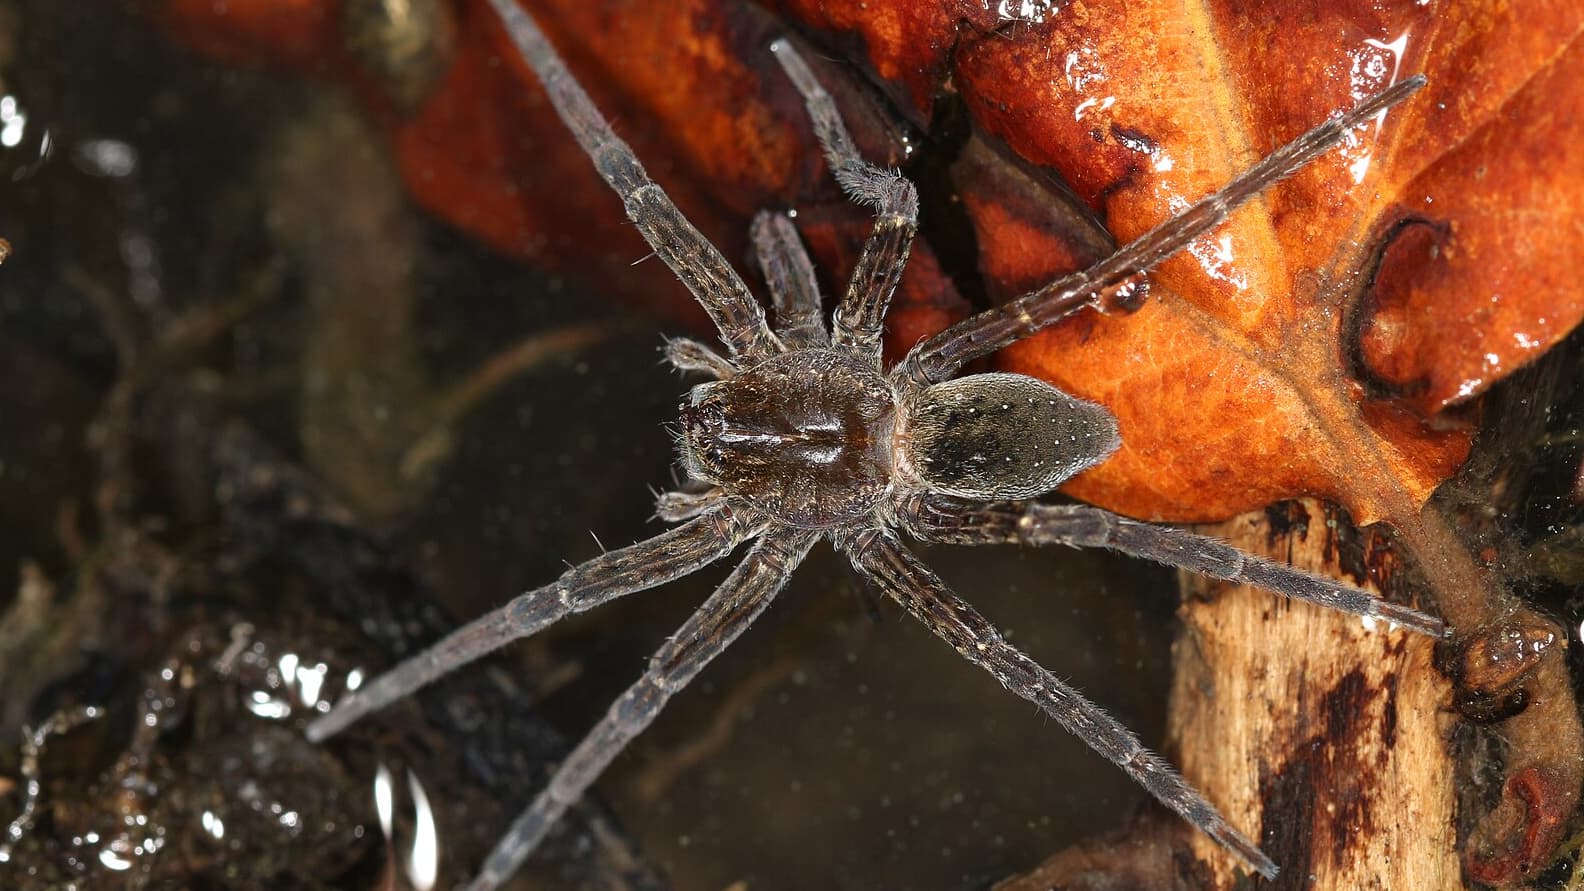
(993,436)
(805,437)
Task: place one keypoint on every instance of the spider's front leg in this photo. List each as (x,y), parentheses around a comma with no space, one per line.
(696,262)
(860,319)
(938,358)
(794,292)
(647,564)
(954,521)
(724,616)
(880,558)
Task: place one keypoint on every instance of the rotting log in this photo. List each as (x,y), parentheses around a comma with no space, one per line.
(1326,738)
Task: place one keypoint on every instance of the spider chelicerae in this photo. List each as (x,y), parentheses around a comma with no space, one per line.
(803,435)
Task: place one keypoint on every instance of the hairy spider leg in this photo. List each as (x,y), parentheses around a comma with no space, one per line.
(794,291)
(860,318)
(954,521)
(794,294)
(938,358)
(724,616)
(881,558)
(696,262)
(670,555)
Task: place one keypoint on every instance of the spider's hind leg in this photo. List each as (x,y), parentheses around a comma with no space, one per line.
(953,521)
(937,358)
(860,318)
(881,559)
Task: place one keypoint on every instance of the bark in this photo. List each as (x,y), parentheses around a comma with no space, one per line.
(1324,737)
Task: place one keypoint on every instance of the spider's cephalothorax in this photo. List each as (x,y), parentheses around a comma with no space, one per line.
(803,435)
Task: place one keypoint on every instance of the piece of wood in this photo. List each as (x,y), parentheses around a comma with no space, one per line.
(1322,737)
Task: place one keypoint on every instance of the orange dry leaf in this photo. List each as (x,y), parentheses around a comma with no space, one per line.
(1267,367)
(1310,346)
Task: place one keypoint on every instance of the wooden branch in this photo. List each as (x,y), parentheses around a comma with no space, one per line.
(1324,738)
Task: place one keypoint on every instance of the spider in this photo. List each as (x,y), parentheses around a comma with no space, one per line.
(801,435)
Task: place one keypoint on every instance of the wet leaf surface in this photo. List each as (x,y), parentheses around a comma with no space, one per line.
(1255,323)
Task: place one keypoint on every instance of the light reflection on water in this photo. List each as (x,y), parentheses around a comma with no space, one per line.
(130,820)
(422,860)
(1376,66)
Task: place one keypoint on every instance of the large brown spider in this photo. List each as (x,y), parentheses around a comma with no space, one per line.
(803,435)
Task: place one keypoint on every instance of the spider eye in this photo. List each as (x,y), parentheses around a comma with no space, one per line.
(703,410)
(703,420)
